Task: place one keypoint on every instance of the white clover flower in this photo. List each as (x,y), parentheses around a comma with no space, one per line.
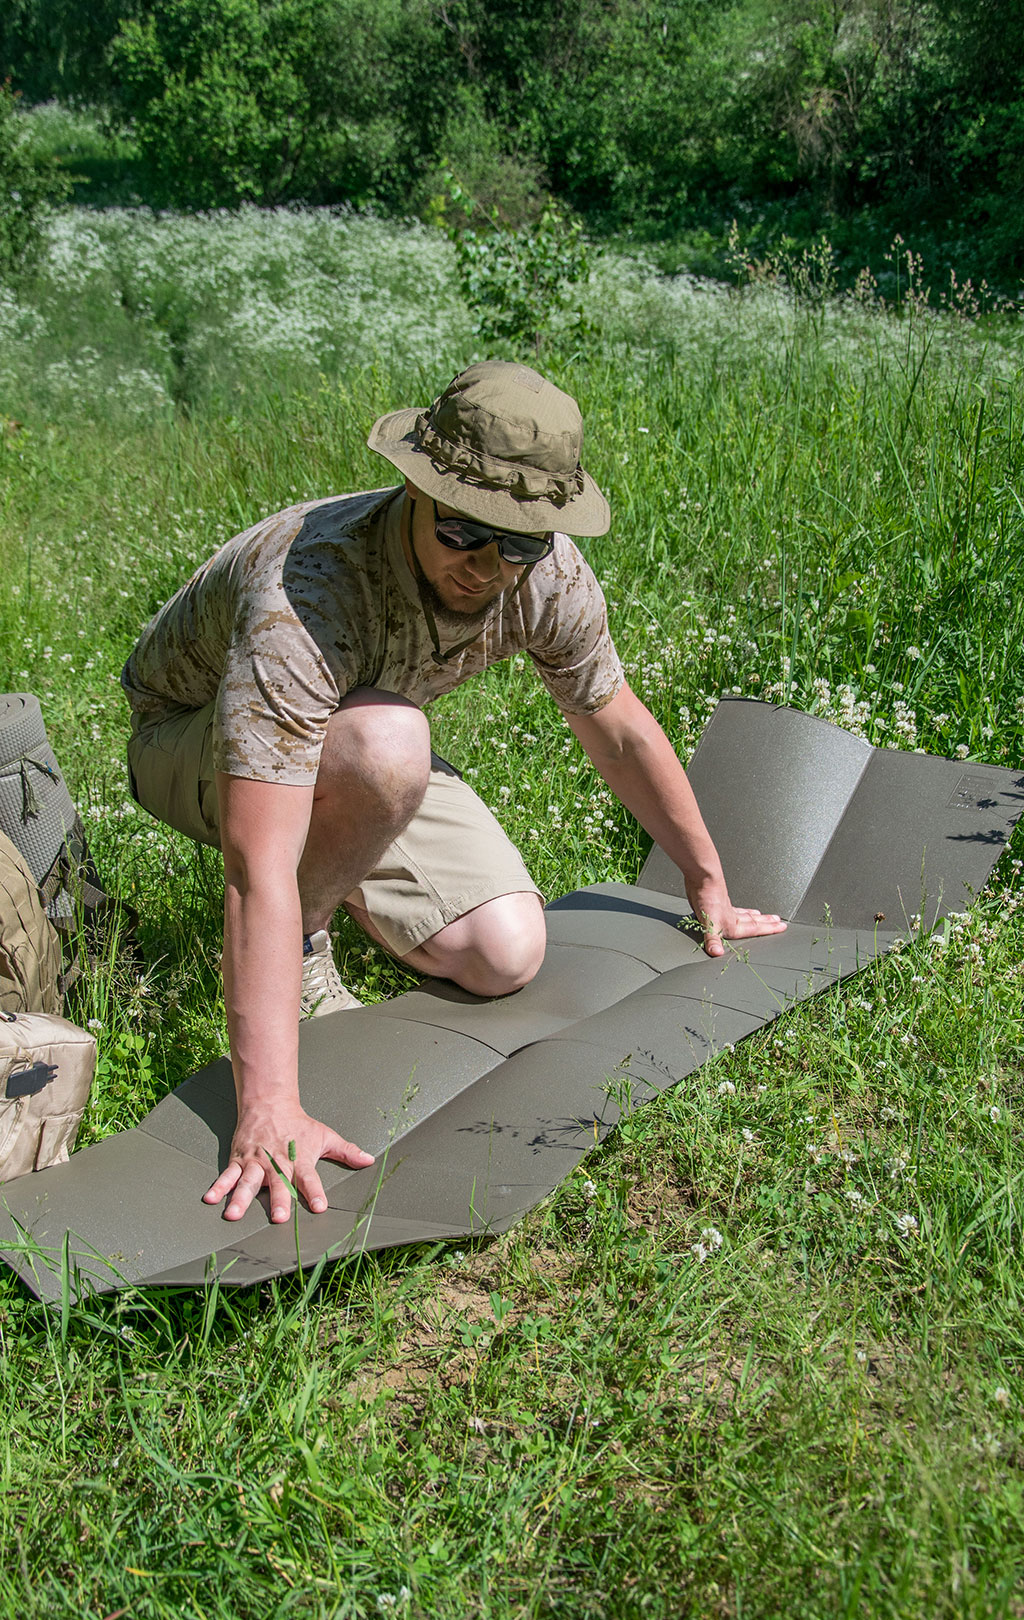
(1001,1396)
(590,1189)
(854,1196)
(388,1602)
(906,1225)
(713,1237)
(993,1113)
(726,1089)
(94,1024)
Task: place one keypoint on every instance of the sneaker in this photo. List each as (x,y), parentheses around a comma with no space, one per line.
(322,989)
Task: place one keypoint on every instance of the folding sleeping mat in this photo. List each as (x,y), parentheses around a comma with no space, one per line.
(476,1108)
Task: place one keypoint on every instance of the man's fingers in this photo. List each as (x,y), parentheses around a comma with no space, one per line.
(749,923)
(312,1190)
(280,1198)
(739,922)
(244,1181)
(225,1181)
(335,1147)
(246,1188)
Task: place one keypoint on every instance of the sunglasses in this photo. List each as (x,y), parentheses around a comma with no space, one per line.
(461,535)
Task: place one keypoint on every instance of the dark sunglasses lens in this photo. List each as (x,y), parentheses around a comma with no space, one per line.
(463,536)
(517,548)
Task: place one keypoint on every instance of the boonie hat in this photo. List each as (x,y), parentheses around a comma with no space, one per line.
(501,445)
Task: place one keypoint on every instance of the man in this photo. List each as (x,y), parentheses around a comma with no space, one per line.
(277,712)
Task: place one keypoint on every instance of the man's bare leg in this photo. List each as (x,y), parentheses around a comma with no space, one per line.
(374,771)
(373,774)
(492,950)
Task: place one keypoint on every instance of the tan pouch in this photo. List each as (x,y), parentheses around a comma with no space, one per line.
(46,1069)
(29,947)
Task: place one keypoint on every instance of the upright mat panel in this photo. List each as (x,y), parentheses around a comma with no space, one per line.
(771,783)
(820,826)
(918,839)
(477,1108)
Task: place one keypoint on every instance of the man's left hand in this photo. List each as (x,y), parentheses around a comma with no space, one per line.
(721,920)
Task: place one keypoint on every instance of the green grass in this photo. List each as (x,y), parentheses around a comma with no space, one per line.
(607,1412)
(101,165)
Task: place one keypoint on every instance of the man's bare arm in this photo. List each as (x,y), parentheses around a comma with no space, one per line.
(263,831)
(636,759)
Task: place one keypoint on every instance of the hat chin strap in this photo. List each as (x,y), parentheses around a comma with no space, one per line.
(420,577)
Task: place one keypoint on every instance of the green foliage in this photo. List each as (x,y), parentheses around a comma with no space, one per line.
(517,279)
(57,48)
(253,100)
(191,77)
(837,113)
(29,185)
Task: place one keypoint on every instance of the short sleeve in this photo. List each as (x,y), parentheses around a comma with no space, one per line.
(274,702)
(570,643)
(297,646)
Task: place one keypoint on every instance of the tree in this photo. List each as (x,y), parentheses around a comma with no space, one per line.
(253,100)
(57,48)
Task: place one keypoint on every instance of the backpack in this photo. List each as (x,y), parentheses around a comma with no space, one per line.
(38,813)
(47,880)
(46,1063)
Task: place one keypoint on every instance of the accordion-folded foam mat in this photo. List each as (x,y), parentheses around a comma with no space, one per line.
(476,1109)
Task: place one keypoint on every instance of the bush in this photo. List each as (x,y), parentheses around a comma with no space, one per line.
(516,278)
(236,101)
(28,185)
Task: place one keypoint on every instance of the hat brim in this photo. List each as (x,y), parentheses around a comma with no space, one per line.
(586,513)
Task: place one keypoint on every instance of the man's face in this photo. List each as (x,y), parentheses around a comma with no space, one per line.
(461,583)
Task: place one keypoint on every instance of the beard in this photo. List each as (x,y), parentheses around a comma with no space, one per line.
(449,617)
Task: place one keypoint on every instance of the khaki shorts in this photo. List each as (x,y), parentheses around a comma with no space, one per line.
(452,857)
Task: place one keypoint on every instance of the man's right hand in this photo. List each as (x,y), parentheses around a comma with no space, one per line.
(261,1134)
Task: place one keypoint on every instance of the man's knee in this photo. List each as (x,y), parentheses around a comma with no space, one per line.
(493,950)
(379,743)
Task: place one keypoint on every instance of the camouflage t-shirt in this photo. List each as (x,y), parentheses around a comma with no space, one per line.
(289,616)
